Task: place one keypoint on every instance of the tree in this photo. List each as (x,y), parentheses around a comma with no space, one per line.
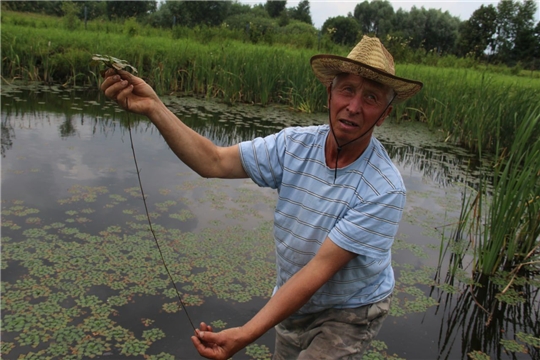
(237,8)
(375,17)
(411,25)
(514,31)
(401,18)
(476,34)
(53,8)
(302,12)
(524,42)
(505,32)
(427,29)
(208,12)
(535,63)
(342,30)
(275,8)
(441,31)
(94,9)
(70,19)
(126,9)
(193,13)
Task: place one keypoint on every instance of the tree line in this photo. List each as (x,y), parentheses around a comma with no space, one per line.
(503,34)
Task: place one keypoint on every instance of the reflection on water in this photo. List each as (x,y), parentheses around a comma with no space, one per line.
(485,322)
(7,135)
(76,253)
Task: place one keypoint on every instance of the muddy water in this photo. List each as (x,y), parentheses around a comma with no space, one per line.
(81,274)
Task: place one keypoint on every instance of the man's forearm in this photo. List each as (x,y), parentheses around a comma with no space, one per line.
(196,151)
(298,289)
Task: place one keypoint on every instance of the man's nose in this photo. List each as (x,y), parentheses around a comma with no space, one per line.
(355,105)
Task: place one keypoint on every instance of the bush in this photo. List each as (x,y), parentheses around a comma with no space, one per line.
(296,27)
(70,19)
(257,29)
(131,27)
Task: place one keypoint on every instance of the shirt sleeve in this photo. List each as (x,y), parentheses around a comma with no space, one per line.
(262,159)
(370,227)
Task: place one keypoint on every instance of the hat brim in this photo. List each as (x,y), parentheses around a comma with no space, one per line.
(327,67)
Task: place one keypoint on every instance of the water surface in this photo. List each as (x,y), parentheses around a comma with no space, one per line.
(81,273)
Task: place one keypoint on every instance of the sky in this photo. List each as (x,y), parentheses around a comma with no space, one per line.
(324,9)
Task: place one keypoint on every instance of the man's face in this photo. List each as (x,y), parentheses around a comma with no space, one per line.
(356,103)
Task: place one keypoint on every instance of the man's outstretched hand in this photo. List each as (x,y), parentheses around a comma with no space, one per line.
(219,346)
(130,92)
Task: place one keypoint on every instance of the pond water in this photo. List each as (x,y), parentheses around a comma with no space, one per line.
(82,276)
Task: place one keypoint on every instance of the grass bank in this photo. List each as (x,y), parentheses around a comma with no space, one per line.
(470,107)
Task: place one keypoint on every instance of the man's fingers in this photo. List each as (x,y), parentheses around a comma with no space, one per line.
(204,327)
(208,337)
(206,349)
(107,82)
(118,89)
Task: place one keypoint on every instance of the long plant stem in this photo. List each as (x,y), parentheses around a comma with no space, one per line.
(182,305)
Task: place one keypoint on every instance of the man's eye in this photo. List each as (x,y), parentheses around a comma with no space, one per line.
(371,98)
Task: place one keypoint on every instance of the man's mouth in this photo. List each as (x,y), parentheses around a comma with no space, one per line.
(348,123)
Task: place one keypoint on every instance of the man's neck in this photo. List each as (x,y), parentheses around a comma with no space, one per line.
(347,154)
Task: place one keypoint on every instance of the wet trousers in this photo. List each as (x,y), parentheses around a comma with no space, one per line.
(330,334)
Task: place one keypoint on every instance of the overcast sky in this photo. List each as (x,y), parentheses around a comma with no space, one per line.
(324,9)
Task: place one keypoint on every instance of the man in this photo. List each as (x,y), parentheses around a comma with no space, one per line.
(340,202)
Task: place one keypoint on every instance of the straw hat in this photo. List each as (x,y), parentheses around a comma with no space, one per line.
(368,59)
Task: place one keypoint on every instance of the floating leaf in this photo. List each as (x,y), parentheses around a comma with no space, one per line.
(112,62)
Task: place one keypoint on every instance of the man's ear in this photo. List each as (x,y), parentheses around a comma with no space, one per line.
(386,113)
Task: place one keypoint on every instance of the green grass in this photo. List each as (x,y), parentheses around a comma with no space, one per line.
(469,107)
(500,219)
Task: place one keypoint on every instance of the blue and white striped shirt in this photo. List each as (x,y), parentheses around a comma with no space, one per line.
(360,212)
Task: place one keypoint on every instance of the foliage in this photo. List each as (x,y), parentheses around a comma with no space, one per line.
(53,8)
(427,29)
(478,355)
(128,9)
(55,309)
(112,62)
(507,234)
(221,62)
(514,33)
(505,33)
(197,13)
(342,30)
(90,10)
(476,34)
(375,17)
(301,12)
(275,7)
(71,22)
(131,27)
(498,231)
(34,241)
(258,352)
(255,29)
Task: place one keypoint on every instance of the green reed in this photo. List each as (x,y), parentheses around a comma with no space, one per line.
(468,107)
(500,221)
(473,108)
(513,218)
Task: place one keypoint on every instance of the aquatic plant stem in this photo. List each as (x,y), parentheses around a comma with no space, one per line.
(183,306)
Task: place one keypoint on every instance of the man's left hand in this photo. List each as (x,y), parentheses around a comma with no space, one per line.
(221,345)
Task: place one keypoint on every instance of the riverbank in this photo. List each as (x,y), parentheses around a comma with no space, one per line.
(471,107)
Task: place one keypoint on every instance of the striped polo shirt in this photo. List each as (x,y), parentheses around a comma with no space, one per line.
(360,212)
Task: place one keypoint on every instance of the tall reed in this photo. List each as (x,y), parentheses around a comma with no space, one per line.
(465,105)
(470,106)
(502,218)
(512,232)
